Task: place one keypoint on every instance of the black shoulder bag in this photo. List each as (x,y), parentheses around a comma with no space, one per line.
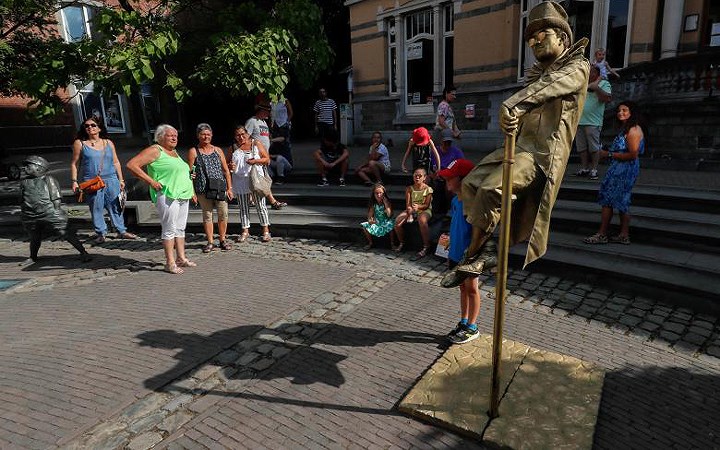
(215,189)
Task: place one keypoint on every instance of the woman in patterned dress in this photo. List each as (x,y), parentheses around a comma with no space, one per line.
(616,187)
(208,162)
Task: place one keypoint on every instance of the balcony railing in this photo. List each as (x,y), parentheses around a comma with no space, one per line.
(683,78)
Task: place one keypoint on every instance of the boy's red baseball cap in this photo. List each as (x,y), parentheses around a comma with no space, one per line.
(457,168)
(420,136)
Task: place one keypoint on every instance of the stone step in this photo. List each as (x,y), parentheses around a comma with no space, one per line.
(683,277)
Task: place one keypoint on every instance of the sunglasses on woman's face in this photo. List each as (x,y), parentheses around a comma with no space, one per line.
(90,125)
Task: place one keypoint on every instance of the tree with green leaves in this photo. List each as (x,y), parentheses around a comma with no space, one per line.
(242,47)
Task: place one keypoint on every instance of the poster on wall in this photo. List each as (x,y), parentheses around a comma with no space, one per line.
(106,109)
(112,111)
(91,105)
(414,51)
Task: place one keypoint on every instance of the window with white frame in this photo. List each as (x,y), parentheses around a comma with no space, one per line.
(419,60)
(77,20)
(420,54)
(77,25)
(449,43)
(392,56)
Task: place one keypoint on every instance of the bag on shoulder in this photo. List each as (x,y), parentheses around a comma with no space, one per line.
(92,185)
(89,186)
(216,189)
(260,181)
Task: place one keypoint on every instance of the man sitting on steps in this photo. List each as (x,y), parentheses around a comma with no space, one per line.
(332,156)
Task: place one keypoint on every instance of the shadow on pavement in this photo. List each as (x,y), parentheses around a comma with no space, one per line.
(194,349)
(659,407)
(12,259)
(315,365)
(99,261)
(304,366)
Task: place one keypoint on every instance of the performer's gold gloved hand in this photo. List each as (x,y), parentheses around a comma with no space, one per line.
(508,120)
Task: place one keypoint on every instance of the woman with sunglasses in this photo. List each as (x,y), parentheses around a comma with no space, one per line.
(93,155)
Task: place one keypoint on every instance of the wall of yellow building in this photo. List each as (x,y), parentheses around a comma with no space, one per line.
(642,31)
(486,44)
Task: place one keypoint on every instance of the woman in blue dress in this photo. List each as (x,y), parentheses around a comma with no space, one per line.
(616,187)
(94,154)
(380,221)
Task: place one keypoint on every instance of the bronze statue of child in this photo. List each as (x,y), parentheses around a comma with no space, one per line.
(40,209)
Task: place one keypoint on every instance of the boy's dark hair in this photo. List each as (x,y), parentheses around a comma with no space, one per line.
(449,88)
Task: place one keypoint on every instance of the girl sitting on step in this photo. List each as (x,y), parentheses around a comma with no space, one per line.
(380,221)
(418,201)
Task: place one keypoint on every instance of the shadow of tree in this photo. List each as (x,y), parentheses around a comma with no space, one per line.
(194,348)
(319,365)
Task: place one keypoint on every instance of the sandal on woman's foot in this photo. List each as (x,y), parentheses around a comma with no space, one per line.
(174,269)
(399,247)
(208,248)
(266,237)
(596,238)
(243,237)
(421,254)
(367,247)
(185,263)
(278,205)
(620,239)
(225,245)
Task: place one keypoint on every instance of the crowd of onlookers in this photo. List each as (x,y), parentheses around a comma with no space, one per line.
(442,179)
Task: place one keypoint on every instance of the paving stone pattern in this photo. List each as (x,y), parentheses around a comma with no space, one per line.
(313,350)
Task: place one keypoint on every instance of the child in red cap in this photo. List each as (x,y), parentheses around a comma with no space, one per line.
(460,237)
(423,152)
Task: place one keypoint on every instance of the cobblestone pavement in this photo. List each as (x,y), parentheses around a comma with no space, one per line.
(302,343)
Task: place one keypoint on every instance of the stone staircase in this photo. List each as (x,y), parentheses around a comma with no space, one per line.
(675,251)
(675,229)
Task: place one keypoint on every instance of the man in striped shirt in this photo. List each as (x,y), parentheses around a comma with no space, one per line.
(326,114)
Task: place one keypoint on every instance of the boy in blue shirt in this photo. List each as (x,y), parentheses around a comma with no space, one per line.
(460,237)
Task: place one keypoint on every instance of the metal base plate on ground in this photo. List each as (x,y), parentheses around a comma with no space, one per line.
(550,400)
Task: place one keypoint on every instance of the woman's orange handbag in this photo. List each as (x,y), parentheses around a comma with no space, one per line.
(90,186)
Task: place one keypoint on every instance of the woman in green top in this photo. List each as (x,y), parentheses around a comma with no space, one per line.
(170,189)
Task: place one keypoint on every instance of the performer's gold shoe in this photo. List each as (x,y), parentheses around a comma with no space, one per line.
(452,279)
(482,262)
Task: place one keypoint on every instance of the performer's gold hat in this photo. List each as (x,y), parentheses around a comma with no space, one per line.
(547,15)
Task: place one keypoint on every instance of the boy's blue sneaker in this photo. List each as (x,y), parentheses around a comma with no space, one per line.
(464,335)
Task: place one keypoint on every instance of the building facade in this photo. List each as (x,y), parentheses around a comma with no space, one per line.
(405,52)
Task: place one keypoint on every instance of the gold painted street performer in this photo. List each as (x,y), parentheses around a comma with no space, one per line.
(545,115)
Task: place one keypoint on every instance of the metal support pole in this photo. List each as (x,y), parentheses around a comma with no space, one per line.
(502,269)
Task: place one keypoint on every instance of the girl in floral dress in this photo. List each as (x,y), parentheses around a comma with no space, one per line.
(380,221)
